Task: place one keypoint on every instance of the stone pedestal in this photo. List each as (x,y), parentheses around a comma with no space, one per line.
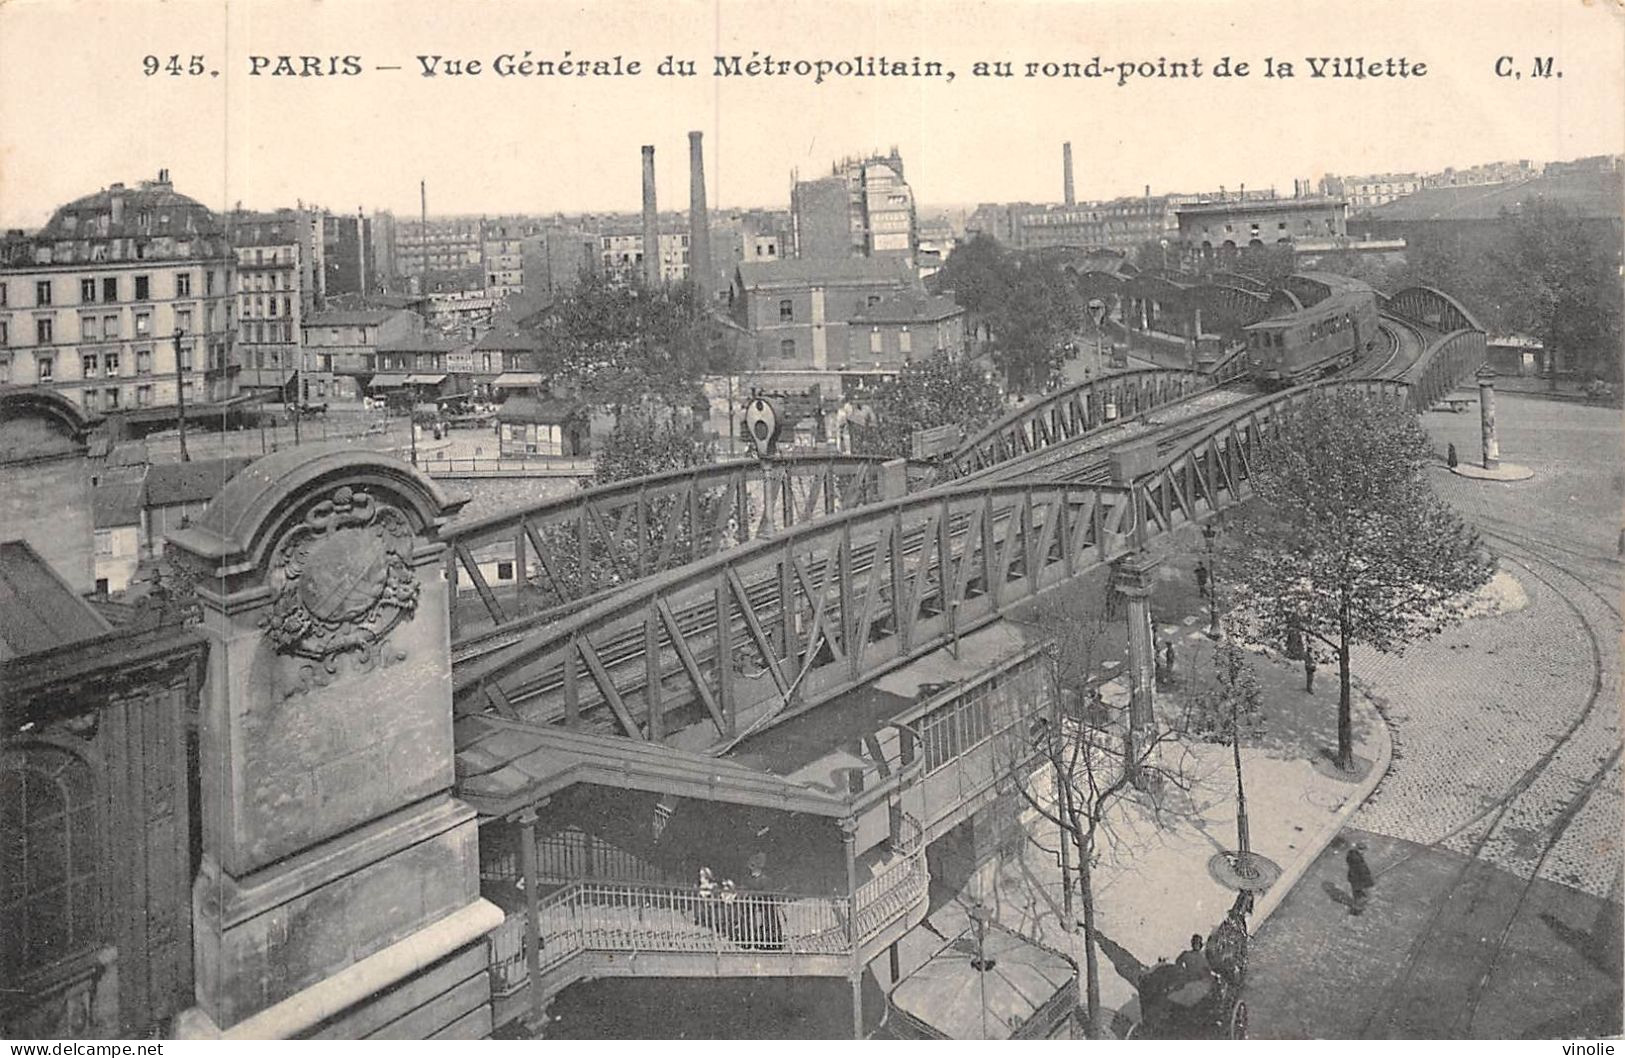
(339,892)
(1136,578)
(1486,412)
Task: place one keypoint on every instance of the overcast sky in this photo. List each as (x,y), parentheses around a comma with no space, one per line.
(78,113)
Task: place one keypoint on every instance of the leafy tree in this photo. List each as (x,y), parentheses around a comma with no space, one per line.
(1559,281)
(622,342)
(1228,711)
(647,441)
(1023,304)
(1270,264)
(931,392)
(1344,539)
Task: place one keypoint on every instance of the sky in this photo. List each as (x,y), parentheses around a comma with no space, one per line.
(78,111)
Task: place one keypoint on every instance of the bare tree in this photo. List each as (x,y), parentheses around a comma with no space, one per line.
(1086,759)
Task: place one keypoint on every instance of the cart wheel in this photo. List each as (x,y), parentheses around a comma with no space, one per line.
(1238,1020)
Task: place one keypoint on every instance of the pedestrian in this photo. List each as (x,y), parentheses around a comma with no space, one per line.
(1194,959)
(1168,659)
(1450,455)
(1360,879)
(1308,670)
(1201,579)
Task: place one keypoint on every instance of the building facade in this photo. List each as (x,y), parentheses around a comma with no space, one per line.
(341,350)
(797,315)
(864,208)
(620,255)
(1222,224)
(272,251)
(1364,192)
(447,253)
(1120,224)
(347,265)
(120,293)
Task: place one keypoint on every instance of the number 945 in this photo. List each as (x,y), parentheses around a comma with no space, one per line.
(174,65)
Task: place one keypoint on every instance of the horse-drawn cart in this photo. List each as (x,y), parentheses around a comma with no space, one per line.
(1203,1003)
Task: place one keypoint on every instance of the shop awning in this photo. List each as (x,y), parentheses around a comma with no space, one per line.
(388,381)
(425,380)
(518,380)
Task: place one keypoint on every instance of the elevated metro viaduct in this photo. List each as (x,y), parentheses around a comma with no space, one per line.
(355,885)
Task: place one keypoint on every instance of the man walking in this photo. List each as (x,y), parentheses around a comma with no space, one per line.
(1360,879)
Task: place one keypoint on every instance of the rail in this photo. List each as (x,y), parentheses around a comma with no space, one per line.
(520,566)
(1074,411)
(478,467)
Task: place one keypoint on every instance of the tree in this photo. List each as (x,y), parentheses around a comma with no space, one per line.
(648,440)
(931,392)
(1229,710)
(1345,541)
(1024,306)
(1088,762)
(622,342)
(1559,281)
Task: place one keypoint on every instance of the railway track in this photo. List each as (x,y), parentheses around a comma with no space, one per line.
(1570,757)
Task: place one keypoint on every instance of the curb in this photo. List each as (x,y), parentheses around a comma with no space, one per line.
(1294,873)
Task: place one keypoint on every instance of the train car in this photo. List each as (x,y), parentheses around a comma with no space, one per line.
(1322,323)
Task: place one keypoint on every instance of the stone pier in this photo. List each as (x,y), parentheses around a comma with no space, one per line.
(339,890)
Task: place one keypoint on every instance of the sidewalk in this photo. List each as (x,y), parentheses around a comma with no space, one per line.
(1151,881)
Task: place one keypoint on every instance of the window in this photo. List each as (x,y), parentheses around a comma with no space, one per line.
(874,299)
(787,310)
(42,332)
(88,366)
(787,348)
(183,320)
(183,284)
(143,396)
(42,292)
(875,343)
(110,327)
(110,364)
(110,288)
(143,324)
(48,822)
(186,357)
(87,291)
(110,399)
(504,571)
(142,293)
(2,294)
(89,327)
(143,361)
(45,369)
(905,341)
(5,369)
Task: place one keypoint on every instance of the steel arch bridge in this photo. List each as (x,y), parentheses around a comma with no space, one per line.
(708,652)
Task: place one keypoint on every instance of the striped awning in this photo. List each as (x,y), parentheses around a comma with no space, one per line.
(518,380)
(425,380)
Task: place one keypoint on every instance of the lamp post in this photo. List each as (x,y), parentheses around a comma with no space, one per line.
(1210,533)
(180,393)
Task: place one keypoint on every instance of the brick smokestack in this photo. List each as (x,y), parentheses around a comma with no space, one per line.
(651,221)
(1066,174)
(699,222)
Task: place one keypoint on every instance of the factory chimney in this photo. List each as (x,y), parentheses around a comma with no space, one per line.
(651,221)
(699,224)
(1066,174)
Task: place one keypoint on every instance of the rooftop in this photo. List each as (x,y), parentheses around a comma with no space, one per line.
(522,408)
(910,307)
(38,610)
(152,208)
(1592,194)
(196,482)
(350,317)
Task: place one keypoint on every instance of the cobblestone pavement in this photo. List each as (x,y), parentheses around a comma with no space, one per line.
(1506,748)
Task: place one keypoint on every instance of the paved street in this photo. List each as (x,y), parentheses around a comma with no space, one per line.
(1495,835)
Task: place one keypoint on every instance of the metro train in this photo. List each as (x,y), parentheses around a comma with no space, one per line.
(1303,342)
